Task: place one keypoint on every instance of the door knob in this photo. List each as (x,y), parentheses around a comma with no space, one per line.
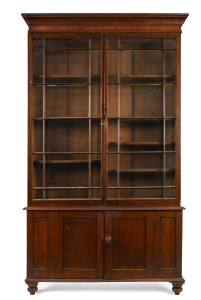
(108,239)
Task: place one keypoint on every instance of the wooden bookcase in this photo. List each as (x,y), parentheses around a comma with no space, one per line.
(104,148)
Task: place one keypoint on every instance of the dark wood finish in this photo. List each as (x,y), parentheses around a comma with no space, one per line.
(104,148)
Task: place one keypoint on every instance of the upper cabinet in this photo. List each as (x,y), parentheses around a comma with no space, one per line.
(104,109)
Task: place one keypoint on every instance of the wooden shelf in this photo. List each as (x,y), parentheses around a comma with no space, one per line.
(64,188)
(142,187)
(140,143)
(66,49)
(141,170)
(140,49)
(59,79)
(141,118)
(140,77)
(66,118)
(67,161)
(56,153)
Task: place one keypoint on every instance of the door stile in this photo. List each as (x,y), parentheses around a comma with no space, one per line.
(104,116)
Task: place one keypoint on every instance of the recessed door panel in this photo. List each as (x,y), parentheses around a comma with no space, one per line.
(79,244)
(128,245)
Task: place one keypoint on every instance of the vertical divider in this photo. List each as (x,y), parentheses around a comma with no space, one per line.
(118,146)
(89,115)
(104,119)
(44,122)
(133,131)
(164,120)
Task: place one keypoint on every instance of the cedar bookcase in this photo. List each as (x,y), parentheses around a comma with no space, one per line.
(104,148)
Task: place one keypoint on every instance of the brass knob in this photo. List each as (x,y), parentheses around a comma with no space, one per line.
(108,239)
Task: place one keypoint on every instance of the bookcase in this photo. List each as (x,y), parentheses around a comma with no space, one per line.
(104,148)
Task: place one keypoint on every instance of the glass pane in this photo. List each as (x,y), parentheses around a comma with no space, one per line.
(170,101)
(141,62)
(95,65)
(95,170)
(170,135)
(96,103)
(68,66)
(37,67)
(141,162)
(37,101)
(67,43)
(141,43)
(112,57)
(136,43)
(112,135)
(38,136)
(71,101)
(76,193)
(75,43)
(112,162)
(170,179)
(95,136)
(141,101)
(112,101)
(112,193)
(141,193)
(139,135)
(66,175)
(170,193)
(141,179)
(170,63)
(67,136)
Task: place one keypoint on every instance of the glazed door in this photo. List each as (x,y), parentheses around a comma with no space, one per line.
(66,117)
(168,244)
(128,245)
(141,83)
(79,244)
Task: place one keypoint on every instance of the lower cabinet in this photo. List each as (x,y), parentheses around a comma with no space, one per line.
(110,245)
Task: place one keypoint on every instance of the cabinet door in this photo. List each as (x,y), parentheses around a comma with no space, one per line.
(79,244)
(40,244)
(65,117)
(168,244)
(128,245)
(141,121)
